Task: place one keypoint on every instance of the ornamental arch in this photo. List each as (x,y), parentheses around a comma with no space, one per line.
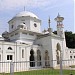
(38,58)
(47,59)
(32,58)
(58,50)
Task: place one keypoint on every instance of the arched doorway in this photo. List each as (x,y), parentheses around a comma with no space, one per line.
(58,53)
(47,59)
(38,58)
(32,59)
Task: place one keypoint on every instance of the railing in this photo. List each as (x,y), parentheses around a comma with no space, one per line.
(4,67)
(37,68)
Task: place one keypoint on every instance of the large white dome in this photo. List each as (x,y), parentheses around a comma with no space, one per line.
(26,13)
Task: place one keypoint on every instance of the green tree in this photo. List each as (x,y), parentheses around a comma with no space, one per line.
(70,39)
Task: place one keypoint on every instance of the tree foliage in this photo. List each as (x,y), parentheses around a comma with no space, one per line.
(70,39)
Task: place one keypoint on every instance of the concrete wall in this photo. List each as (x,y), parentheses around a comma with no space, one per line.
(29,22)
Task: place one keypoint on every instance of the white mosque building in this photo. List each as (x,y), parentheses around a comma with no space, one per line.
(26,42)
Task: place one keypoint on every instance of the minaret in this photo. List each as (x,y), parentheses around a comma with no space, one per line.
(60,31)
(49,22)
(49,28)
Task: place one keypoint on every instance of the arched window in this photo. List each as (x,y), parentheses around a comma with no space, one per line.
(32,59)
(58,46)
(38,58)
(47,59)
(22,53)
(9,48)
(12,26)
(58,53)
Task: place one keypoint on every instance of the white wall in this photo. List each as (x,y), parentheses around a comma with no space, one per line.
(46,45)
(29,22)
(32,27)
(14,36)
(54,48)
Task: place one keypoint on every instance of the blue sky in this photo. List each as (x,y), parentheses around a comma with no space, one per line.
(42,8)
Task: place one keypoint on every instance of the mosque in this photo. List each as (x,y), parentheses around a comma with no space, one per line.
(26,42)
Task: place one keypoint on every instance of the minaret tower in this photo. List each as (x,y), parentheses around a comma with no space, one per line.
(49,22)
(49,28)
(60,31)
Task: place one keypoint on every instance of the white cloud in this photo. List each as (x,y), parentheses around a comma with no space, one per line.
(60,4)
(12,4)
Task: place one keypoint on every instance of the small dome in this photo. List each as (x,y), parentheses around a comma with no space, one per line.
(26,13)
(0,36)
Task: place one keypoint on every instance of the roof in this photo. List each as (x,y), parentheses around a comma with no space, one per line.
(26,13)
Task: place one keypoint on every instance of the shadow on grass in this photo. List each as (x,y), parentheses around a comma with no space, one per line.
(44,72)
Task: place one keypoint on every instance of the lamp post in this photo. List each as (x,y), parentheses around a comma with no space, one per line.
(61,73)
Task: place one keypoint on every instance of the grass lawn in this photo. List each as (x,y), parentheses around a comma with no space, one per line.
(45,72)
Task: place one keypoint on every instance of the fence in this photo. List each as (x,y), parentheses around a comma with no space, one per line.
(36,68)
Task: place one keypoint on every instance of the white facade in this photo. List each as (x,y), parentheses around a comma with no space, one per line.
(26,42)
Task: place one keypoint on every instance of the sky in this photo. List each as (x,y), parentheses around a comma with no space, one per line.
(42,8)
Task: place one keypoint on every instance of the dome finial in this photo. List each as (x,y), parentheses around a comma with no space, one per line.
(58,15)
